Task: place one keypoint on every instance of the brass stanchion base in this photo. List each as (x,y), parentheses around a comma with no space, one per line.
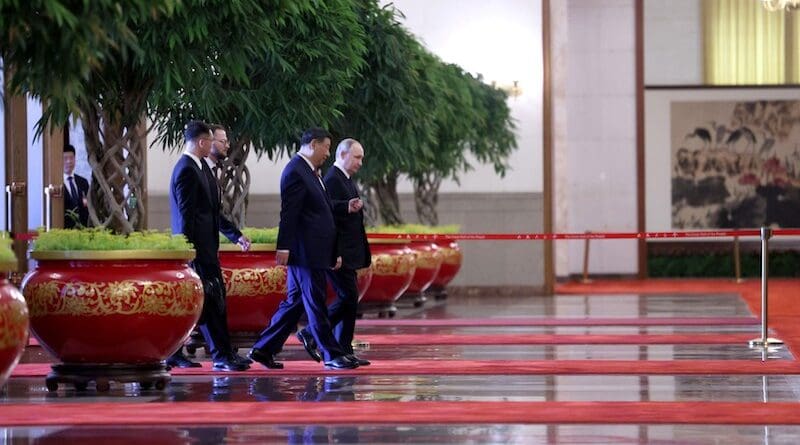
(768,342)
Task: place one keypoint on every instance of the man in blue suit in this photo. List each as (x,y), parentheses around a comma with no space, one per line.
(352,243)
(307,244)
(194,207)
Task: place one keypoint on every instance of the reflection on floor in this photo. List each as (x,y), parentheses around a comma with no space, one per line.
(268,394)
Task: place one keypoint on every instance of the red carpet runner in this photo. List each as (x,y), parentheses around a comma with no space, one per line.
(541,321)
(495,367)
(784,313)
(368,412)
(784,301)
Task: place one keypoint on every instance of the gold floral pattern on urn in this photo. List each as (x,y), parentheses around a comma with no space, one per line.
(451,256)
(428,259)
(13,324)
(169,299)
(394,264)
(255,282)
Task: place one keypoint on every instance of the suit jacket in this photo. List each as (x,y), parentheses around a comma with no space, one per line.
(194,209)
(351,235)
(307,228)
(74,205)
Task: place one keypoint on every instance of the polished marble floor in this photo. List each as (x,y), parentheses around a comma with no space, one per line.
(420,389)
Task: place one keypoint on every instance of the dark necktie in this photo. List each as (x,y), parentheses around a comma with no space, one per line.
(215,172)
(211,183)
(72,189)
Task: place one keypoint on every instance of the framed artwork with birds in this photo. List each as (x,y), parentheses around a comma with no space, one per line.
(735,163)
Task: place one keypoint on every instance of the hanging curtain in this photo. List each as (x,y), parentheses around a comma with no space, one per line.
(747,45)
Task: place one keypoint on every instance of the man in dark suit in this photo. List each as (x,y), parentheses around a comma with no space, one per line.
(76,191)
(307,244)
(352,243)
(194,207)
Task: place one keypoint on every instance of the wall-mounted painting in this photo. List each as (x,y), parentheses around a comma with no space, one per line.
(735,164)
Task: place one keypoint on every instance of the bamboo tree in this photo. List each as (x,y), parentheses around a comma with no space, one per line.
(472,118)
(388,110)
(299,83)
(145,52)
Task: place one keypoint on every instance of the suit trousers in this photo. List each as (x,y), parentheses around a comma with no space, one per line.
(213,323)
(342,312)
(305,291)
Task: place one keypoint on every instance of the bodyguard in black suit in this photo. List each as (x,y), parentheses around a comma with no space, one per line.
(307,244)
(194,208)
(352,243)
(76,191)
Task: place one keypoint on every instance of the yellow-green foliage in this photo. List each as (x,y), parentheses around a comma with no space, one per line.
(267,235)
(417,229)
(103,239)
(6,254)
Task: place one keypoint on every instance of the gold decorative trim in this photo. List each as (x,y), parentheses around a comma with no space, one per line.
(387,240)
(393,264)
(129,297)
(452,256)
(8,266)
(113,255)
(254,282)
(261,247)
(429,259)
(14,317)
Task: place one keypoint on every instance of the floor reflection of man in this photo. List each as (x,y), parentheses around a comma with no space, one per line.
(326,389)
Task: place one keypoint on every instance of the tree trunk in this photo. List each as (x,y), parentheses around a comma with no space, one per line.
(235,183)
(116,155)
(426,198)
(370,205)
(389,203)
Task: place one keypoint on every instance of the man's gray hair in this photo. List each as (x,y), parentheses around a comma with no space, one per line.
(344,146)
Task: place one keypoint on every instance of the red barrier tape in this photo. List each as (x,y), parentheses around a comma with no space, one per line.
(579,236)
(25,236)
(550,236)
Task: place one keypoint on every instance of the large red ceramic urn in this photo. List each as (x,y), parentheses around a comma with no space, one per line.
(13,323)
(452,257)
(393,267)
(255,285)
(112,307)
(429,261)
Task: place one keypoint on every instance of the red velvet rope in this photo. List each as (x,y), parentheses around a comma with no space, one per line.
(579,236)
(552,236)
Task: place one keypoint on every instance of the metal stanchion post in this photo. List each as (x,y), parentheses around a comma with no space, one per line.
(47,207)
(585,278)
(737,260)
(764,341)
(8,209)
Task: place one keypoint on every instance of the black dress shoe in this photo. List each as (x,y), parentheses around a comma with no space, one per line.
(358,360)
(309,343)
(178,360)
(229,363)
(341,362)
(242,359)
(265,359)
